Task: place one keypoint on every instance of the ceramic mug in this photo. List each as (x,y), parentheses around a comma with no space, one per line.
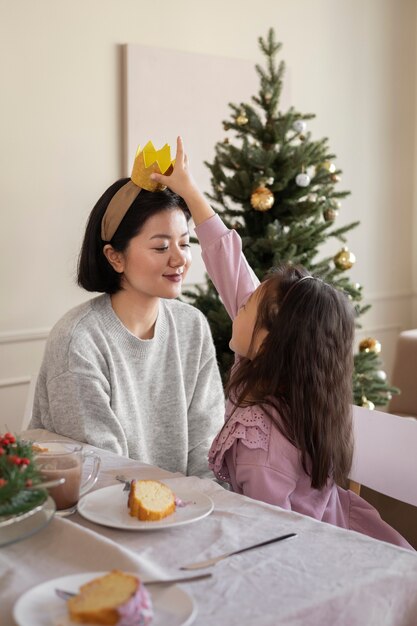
(59,459)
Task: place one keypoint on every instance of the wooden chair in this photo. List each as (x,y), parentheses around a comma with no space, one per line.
(404,375)
(385,454)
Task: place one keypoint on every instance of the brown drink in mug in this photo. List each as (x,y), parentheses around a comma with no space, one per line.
(59,459)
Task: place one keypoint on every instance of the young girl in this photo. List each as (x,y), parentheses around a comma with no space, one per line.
(134,370)
(287,439)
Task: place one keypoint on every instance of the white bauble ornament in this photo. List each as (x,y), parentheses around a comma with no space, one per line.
(381,375)
(302,180)
(300,126)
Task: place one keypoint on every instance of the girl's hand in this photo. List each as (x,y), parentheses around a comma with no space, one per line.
(182,183)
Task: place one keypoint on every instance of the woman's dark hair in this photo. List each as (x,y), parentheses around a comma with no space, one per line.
(303,368)
(94,271)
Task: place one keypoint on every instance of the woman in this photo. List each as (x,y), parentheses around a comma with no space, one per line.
(134,370)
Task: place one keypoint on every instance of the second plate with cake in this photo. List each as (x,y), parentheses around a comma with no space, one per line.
(108,507)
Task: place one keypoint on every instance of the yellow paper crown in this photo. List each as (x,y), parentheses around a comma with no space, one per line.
(149,161)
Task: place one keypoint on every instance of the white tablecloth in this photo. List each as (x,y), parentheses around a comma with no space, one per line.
(324,576)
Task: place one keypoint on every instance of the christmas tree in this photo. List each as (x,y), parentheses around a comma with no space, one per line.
(277,187)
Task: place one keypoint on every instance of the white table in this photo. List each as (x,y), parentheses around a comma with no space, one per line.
(324,576)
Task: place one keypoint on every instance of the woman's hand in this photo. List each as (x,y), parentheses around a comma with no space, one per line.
(182,183)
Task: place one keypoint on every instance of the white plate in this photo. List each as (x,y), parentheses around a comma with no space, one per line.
(40,606)
(108,507)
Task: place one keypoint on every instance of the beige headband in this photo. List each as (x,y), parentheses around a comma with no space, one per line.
(117,209)
(147,162)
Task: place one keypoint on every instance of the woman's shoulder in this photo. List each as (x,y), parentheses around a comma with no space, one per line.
(75,333)
(187,315)
(77,320)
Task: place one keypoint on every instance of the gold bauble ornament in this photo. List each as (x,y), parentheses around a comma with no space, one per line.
(326,165)
(367,404)
(370,345)
(335,178)
(241,120)
(330,214)
(262,199)
(344,259)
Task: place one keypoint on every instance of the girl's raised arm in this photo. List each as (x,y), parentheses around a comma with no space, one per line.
(182,183)
(221,247)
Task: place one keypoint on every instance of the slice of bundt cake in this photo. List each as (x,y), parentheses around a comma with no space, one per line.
(150,500)
(110,599)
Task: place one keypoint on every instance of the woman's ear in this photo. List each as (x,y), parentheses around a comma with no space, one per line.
(115,258)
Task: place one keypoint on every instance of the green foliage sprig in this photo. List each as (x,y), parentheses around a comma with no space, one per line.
(18,472)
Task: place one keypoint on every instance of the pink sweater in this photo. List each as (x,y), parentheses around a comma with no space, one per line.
(250,452)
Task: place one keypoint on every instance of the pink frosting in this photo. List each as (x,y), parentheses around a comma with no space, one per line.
(138,610)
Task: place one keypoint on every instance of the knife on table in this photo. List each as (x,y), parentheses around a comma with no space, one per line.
(216,559)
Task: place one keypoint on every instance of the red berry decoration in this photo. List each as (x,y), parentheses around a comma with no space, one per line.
(18,472)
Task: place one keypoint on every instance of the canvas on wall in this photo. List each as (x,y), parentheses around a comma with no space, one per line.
(169,93)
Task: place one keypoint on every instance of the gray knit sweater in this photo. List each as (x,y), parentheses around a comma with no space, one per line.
(159,400)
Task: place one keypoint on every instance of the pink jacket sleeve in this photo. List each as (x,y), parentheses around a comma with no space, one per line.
(258,480)
(226,264)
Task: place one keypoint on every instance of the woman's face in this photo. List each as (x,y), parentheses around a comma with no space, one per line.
(156,260)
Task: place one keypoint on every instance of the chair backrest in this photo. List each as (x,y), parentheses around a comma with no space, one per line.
(385,453)
(27,413)
(404,375)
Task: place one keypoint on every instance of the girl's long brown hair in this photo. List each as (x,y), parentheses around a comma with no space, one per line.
(304,370)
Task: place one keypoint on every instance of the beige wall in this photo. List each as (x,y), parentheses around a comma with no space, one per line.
(353,63)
